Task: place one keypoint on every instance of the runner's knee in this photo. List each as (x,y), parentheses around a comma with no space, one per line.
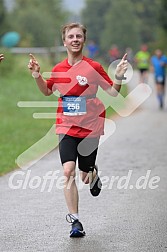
(69,169)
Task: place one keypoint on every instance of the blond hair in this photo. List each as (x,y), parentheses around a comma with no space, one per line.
(70,26)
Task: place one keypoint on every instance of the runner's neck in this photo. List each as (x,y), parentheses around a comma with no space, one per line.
(72,61)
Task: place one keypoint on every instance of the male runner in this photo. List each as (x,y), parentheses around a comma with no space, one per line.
(80,114)
(159,63)
(142,59)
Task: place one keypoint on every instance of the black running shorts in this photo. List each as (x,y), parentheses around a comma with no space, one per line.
(73,149)
(143,70)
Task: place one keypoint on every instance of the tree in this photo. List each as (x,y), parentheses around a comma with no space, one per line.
(93,17)
(3,19)
(147,13)
(163,14)
(120,27)
(127,22)
(38,21)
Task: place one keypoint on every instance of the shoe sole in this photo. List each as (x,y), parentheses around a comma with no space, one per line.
(96,184)
(95,188)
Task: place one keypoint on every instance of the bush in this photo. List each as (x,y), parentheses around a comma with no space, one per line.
(8,64)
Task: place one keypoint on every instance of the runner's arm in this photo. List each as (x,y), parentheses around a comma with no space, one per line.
(34,67)
(119,74)
(42,85)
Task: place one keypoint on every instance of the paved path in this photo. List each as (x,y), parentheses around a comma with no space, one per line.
(131,220)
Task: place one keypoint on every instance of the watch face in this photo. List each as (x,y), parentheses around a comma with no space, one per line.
(35,75)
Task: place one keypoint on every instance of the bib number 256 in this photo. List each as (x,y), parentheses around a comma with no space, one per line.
(73,106)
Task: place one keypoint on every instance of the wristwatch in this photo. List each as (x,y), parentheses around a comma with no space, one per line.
(35,75)
(120,77)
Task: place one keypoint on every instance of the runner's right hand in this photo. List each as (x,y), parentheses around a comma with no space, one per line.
(1,57)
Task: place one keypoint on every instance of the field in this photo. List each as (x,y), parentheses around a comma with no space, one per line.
(21,135)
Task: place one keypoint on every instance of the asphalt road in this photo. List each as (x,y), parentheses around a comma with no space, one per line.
(129,215)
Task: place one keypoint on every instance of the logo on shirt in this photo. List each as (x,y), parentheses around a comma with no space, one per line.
(82,81)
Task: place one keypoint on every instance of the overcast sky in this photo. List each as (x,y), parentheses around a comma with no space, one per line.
(74,5)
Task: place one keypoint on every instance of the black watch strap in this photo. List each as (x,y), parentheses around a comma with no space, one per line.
(120,77)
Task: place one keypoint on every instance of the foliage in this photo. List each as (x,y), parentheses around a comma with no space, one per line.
(146,12)
(128,22)
(160,41)
(2,12)
(125,23)
(3,19)
(93,17)
(38,22)
(118,29)
(7,65)
(163,14)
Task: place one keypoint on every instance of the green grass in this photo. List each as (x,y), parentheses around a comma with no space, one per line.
(19,130)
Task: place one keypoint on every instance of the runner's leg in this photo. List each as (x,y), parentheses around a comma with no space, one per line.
(87,152)
(160,94)
(70,188)
(87,161)
(68,156)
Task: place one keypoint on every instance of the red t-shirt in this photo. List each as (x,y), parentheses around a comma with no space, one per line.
(81,79)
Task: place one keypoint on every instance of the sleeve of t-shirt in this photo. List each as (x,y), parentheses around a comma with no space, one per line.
(57,78)
(105,82)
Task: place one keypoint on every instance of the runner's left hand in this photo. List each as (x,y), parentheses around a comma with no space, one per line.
(122,67)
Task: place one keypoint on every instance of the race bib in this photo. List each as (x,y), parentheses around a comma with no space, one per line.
(74,105)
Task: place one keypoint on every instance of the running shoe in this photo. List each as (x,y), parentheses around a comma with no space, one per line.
(77,228)
(96,184)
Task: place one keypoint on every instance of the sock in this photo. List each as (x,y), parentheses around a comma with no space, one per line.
(75,215)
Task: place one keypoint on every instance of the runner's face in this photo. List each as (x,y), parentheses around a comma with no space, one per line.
(158,53)
(74,40)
